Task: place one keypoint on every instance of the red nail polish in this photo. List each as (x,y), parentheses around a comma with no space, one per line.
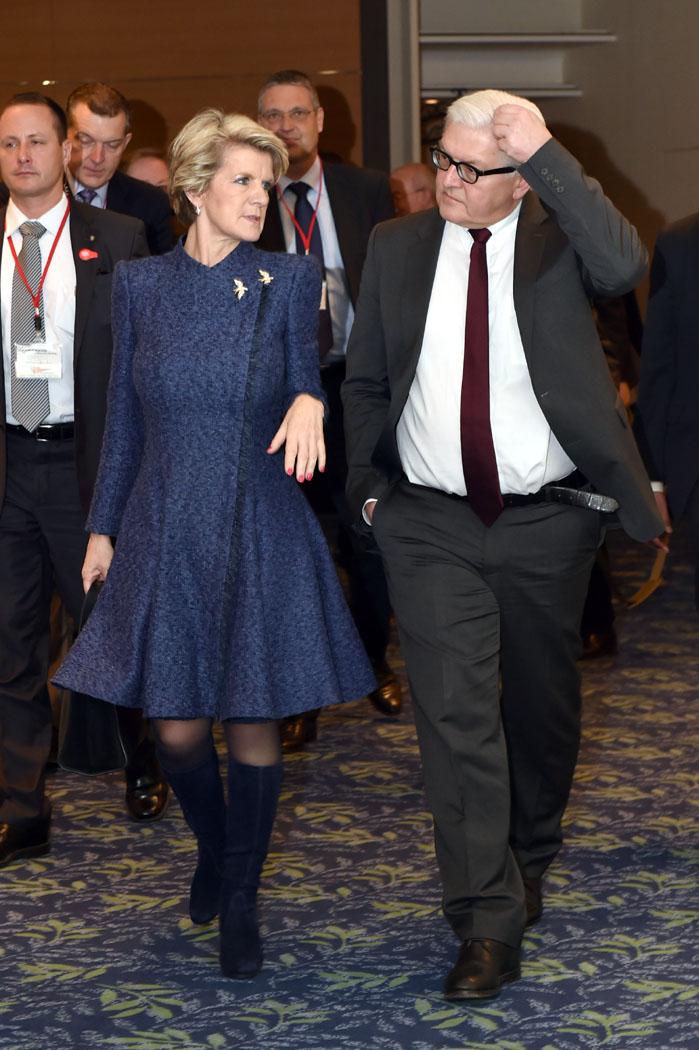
(322,470)
(300,478)
(309,477)
(289,471)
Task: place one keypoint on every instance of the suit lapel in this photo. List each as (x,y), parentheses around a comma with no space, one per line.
(82,239)
(343,208)
(530,240)
(416,290)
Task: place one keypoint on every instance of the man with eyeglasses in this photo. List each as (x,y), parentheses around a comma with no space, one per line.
(487,449)
(329,210)
(99,128)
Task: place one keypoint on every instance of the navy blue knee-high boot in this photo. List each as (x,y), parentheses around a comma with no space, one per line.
(253,792)
(200,794)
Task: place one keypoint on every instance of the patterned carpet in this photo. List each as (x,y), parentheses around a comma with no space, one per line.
(95,950)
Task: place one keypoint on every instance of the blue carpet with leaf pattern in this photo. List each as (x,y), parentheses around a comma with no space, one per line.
(96,951)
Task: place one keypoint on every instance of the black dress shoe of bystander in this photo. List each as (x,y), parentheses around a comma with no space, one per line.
(481,970)
(146,797)
(24,840)
(387,697)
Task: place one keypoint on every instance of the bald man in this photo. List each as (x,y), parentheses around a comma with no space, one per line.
(413,188)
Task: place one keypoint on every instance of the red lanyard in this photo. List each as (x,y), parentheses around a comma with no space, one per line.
(36,299)
(305,235)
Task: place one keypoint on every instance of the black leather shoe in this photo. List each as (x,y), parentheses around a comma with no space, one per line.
(299,730)
(26,840)
(604,643)
(387,698)
(146,797)
(481,970)
(532,898)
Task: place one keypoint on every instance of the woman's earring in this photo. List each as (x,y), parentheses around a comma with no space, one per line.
(197,209)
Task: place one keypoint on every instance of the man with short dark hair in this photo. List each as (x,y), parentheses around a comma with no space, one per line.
(330,210)
(56,263)
(99,129)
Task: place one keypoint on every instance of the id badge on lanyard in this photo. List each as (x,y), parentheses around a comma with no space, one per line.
(38,360)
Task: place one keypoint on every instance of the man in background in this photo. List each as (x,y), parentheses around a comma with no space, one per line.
(668,396)
(413,188)
(99,129)
(330,210)
(148,165)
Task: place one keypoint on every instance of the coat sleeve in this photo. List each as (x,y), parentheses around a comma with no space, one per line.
(366,392)
(302,363)
(123,436)
(612,257)
(658,359)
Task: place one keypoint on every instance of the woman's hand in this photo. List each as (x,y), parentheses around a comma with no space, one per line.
(302,431)
(98,558)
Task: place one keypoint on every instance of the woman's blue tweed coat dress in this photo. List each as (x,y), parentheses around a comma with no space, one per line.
(222,598)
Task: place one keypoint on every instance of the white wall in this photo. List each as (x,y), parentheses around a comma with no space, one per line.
(641,102)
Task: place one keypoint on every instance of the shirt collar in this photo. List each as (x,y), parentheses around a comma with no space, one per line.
(502,226)
(51,219)
(311,177)
(100,200)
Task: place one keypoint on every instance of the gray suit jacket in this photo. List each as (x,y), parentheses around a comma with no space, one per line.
(571,244)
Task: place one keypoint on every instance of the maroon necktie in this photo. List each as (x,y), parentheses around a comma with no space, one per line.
(477,451)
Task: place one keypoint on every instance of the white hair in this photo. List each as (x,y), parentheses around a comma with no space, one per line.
(477,109)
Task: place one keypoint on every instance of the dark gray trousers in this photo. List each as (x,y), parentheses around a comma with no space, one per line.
(489,626)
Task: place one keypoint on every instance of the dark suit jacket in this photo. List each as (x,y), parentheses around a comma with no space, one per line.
(145,202)
(668,397)
(113,237)
(571,243)
(359,199)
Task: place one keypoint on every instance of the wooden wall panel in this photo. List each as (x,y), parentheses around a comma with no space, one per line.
(173,57)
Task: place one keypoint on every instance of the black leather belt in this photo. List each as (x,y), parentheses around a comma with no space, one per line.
(44,432)
(573,490)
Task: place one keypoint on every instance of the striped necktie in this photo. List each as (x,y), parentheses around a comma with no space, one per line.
(30,397)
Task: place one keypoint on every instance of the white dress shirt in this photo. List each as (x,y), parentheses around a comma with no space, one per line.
(428,432)
(341,309)
(59,304)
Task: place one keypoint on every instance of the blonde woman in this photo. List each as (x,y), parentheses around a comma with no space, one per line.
(221,600)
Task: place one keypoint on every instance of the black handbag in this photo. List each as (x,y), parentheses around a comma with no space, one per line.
(89,737)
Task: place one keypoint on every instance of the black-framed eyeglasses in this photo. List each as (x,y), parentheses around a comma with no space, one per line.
(466,172)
